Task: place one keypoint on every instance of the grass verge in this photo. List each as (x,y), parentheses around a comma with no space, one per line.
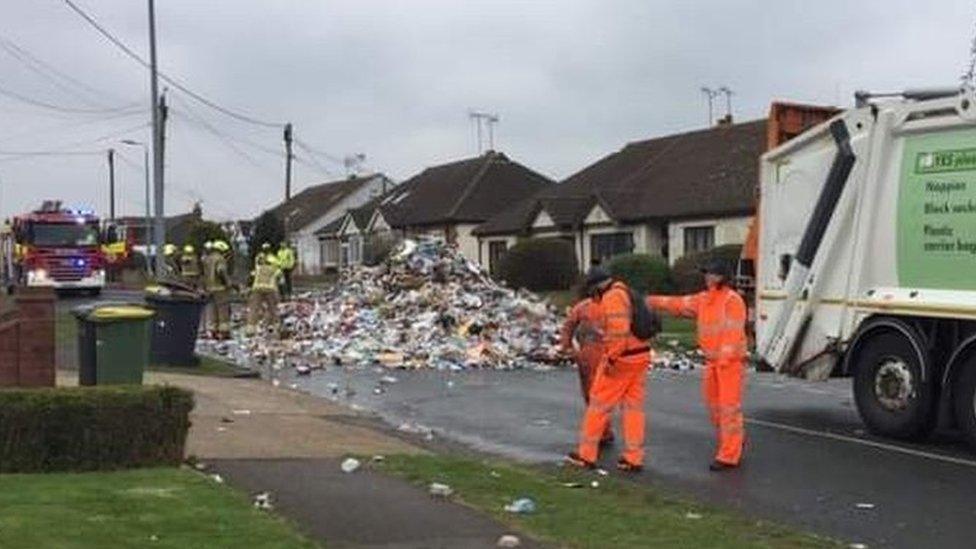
(173,508)
(209,366)
(618,513)
(681,330)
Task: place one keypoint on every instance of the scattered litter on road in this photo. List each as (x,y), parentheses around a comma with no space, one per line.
(677,359)
(438,489)
(242,412)
(200,466)
(602,472)
(263,501)
(378,459)
(858,546)
(225,419)
(350,465)
(508,540)
(595,484)
(221,429)
(865,506)
(693,516)
(541,422)
(416,429)
(217,478)
(521,506)
(388,380)
(572,484)
(425,307)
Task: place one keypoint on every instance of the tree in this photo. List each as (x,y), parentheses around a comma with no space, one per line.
(267,229)
(202,231)
(644,273)
(539,264)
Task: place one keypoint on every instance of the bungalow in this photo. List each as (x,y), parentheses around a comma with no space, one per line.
(446,201)
(667,197)
(318,206)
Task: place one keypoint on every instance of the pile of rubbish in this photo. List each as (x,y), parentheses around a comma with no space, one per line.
(425,307)
(672,356)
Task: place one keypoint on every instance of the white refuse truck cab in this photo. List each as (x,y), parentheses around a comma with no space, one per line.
(867,258)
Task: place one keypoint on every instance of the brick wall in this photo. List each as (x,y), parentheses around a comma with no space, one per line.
(27,340)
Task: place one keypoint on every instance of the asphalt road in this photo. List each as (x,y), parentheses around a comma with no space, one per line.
(808,462)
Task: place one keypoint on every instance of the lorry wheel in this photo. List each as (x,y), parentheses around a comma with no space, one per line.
(891,397)
(964,402)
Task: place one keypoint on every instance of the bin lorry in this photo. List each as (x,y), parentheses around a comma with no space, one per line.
(867,258)
(54,246)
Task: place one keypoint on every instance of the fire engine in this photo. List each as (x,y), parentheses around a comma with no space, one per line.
(53,246)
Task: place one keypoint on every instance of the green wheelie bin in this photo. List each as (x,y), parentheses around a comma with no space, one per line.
(113,343)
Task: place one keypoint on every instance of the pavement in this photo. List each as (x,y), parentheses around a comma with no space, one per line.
(261,438)
(809,462)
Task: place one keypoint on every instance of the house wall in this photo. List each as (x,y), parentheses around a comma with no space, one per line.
(728,230)
(307,243)
(467,242)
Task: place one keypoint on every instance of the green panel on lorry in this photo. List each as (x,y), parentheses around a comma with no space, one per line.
(937,211)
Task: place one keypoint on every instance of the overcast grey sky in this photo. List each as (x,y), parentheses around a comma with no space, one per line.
(572,81)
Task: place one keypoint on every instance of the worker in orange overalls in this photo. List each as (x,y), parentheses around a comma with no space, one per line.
(621,376)
(721,316)
(581,338)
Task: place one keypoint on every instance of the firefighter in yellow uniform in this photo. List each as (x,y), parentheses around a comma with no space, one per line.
(262,307)
(170,261)
(216,282)
(190,266)
(286,260)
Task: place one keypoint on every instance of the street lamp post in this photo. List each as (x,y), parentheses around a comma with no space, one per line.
(149,232)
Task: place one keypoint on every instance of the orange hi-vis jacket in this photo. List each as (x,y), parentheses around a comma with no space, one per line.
(581,324)
(721,318)
(620,345)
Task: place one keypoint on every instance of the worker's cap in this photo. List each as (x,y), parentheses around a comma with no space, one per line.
(596,275)
(188,248)
(221,246)
(169,249)
(208,245)
(715,266)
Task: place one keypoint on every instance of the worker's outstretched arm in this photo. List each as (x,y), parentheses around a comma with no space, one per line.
(677,305)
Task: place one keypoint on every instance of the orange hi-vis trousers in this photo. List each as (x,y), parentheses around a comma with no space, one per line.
(722,391)
(624,384)
(721,316)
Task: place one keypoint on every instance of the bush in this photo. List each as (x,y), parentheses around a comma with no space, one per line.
(92,428)
(642,272)
(267,229)
(377,248)
(539,264)
(685,273)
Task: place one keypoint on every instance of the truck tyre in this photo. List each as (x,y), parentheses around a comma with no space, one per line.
(891,397)
(964,401)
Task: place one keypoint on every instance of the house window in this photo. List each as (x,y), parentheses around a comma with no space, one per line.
(330,252)
(699,239)
(355,250)
(496,251)
(605,246)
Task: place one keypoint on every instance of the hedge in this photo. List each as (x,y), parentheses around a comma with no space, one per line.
(539,264)
(685,272)
(642,272)
(92,428)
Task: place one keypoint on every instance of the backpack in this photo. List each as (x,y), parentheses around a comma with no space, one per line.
(644,324)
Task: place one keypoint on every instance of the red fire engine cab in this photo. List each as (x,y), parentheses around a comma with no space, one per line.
(55,247)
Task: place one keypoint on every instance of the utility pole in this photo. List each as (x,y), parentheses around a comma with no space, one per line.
(148,221)
(288,158)
(710,95)
(111,184)
(159,225)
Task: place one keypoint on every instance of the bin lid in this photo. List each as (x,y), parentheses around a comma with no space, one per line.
(166,291)
(112,312)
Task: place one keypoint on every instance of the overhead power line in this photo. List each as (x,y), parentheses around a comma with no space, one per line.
(58,78)
(173,82)
(60,108)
